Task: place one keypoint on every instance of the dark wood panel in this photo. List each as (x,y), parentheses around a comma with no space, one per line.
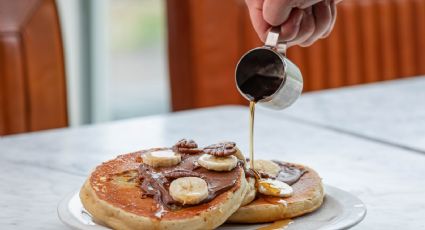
(12,85)
(349,15)
(406,33)
(419,8)
(2,120)
(388,34)
(204,53)
(315,63)
(33,93)
(45,69)
(214,71)
(334,57)
(179,55)
(370,37)
(2,94)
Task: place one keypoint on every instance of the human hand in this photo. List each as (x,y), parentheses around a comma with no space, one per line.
(302,22)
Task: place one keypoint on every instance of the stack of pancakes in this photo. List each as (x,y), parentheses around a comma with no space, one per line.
(186,187)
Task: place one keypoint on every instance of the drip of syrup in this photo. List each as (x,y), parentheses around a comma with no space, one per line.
(251,142)
(251,133)
(258,87)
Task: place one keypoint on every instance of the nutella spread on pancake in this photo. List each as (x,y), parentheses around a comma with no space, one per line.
(155,181)
(184,187)
(288,173)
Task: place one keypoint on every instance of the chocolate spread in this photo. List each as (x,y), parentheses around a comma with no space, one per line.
(289,173)
(155,182)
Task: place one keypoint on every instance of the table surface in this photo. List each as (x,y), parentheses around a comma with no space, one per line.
(391,112)
(353,145)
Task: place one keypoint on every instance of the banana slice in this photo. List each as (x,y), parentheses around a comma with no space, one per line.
(189,190)
(266,166)
(161,158)
(214,163)
(272,187)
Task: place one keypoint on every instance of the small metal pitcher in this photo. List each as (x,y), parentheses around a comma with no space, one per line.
(269,61)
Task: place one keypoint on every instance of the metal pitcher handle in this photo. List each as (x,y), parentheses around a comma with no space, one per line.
(272,41)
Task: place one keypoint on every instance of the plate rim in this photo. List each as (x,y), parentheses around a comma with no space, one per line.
(353,217)
(346,220)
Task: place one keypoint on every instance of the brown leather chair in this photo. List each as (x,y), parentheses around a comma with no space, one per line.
(373,40)
(32,75)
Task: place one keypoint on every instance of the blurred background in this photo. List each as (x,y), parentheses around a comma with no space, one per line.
(125,61)
(75,62)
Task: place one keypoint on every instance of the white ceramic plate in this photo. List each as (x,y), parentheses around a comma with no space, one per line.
(340,210)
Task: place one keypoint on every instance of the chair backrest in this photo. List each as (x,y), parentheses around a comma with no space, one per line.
(32,72)
(373,40)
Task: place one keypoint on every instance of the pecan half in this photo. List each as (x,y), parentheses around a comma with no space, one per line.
(187,146)
(221,149)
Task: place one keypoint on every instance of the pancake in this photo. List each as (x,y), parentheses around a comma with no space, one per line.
(251,191)
(307,196)
(113,195)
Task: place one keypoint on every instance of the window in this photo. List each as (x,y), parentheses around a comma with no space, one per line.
(137,63)
(116,62)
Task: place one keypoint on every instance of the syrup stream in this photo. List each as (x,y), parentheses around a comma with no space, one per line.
(251,133)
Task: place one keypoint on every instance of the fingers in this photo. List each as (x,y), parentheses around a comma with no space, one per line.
(291,27)
(323,22)
(301,22)
(276,12)
(333,11)
(307,28)
(255,8)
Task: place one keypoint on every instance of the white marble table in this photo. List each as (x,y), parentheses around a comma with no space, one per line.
(391,112)
(39,169)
